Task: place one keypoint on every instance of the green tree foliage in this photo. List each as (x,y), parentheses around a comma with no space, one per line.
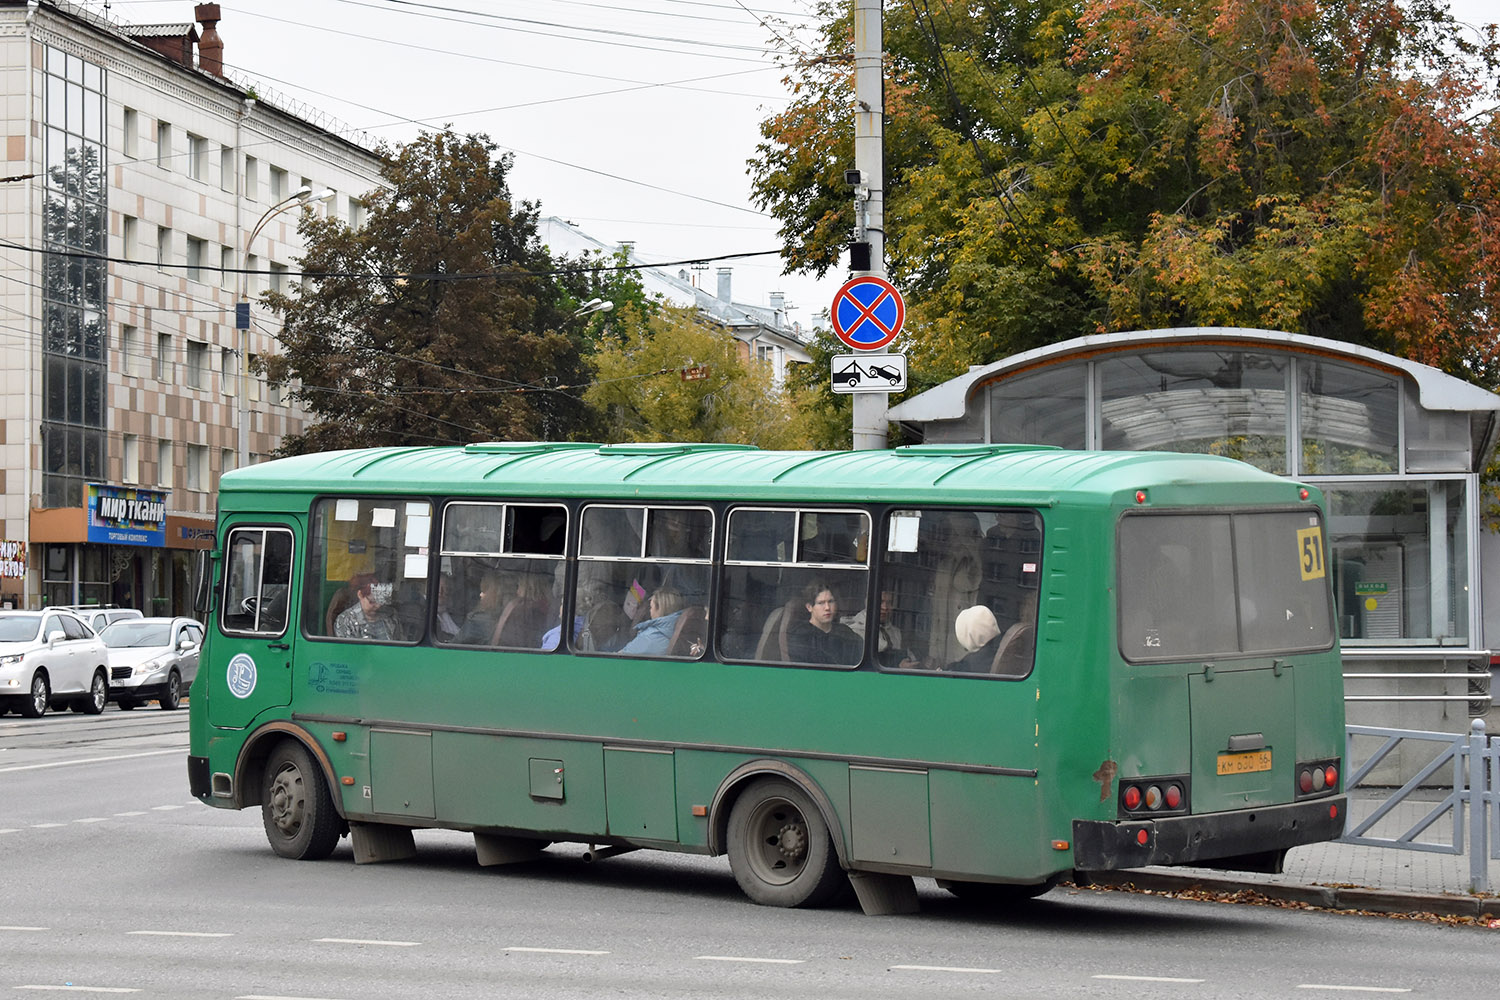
(1059,168)
(437,321)
(668,376)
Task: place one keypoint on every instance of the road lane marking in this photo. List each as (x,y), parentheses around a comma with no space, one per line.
(25,928)
(70,988)
(1150,979)
(93,819)
(945,968)
(388,944)
(10,830)
(1354,989)
(555,951)
(88,760)
(263,996)
(203,934)
(164,808)
(133,812)
(742,958)
(47,826)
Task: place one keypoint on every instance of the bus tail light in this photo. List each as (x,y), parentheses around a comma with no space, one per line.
(1317,777)
(1154,796)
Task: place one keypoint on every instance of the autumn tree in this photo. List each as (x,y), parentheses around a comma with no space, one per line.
(671,376)
(1056,169)
(441,320)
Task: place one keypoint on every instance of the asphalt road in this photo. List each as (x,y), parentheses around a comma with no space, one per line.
(115,881)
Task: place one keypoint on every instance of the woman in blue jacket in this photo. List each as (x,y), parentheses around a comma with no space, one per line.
(653,637)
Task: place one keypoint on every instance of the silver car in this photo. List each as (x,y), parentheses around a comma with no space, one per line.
(152,659)
(51,658)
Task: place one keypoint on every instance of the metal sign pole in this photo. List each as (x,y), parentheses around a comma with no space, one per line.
(870,425)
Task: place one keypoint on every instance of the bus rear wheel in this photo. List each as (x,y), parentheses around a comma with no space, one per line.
(780,849)
(295,806)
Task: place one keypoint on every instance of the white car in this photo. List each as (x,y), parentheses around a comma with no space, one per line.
(100,617)
(152,659)
(51,658)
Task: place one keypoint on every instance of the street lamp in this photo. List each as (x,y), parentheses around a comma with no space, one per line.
(593,306)
(302,196)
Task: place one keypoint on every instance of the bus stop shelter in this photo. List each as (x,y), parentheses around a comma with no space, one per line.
(1397,447)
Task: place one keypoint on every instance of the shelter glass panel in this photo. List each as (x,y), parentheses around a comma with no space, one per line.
(1399,554)
(1350,419)
(1046,407)
(1230,403)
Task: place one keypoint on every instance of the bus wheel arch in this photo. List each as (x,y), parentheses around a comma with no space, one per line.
(782,836)
(297,805)
(250,769)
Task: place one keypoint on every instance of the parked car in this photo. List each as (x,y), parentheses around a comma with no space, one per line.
(101,616)
(152,659)
(51,658)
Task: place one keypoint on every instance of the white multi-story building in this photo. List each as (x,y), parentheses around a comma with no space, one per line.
(147,195)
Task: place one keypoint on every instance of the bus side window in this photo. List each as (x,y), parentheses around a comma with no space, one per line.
(367,571)
(504,562)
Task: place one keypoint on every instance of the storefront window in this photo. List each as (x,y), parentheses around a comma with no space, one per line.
(1230,403)
(1400,561)
(1350,420)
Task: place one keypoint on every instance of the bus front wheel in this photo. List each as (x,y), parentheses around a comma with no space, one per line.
(780,849)
(295,806)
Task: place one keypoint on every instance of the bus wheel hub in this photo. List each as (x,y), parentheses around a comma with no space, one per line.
(792,841)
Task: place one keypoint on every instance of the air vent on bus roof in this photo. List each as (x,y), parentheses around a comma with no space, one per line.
(669,448)
(522,447)
(961,450)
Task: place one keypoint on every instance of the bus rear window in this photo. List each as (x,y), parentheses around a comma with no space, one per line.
(1195,586)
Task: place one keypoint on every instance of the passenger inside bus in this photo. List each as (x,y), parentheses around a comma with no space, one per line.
(480,622)
(372,617)
(977,632)
(821,638)
(653,636)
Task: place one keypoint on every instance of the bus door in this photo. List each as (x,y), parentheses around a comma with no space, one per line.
(251,667)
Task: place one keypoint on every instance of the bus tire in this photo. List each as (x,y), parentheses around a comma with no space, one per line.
(171,695)
(779,847)
(296,809)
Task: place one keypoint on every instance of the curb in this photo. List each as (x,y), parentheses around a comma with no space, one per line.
(1326,897)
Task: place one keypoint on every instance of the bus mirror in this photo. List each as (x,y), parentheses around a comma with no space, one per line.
(203,577)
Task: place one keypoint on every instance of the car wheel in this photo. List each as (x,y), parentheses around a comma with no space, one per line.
(171,695)
(98,695)
(126,704)
(295,806)
(780,849)
(35,705)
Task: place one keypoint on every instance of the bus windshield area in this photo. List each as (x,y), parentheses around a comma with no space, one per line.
(1205,585)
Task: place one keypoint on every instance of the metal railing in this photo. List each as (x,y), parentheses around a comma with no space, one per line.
(1470,799)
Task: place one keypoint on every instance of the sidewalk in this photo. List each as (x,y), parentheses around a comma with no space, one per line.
(1341,877)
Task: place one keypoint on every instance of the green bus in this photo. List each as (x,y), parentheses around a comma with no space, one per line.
(990,665)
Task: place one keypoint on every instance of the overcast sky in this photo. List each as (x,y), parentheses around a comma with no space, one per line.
(631,118)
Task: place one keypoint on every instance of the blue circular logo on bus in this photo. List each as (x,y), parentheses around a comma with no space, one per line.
(241,675)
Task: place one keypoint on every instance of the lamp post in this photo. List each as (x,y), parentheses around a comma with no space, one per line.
(302,196)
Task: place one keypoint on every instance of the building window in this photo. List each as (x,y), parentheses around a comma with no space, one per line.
(252,179)
(197,467)
(130,459)
(164,470)
(229,370)
(163,246)
(226,169)
(196,250)
(252,382)
(197,157)
(130,347)
(163,356)
(226,460)
(164,144)
(357,214)
(197,364)
(128,226)
(131,129)
(251,277)
(226,268)
(279,181)
(278,278)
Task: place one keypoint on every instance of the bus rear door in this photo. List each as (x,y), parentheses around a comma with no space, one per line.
(251,667)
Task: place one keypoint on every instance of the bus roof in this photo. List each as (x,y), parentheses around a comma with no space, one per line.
(984,473)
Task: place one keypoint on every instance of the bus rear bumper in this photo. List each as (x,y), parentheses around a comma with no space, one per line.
(1202,840)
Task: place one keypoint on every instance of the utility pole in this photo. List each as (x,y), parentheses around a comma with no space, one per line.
(870,426)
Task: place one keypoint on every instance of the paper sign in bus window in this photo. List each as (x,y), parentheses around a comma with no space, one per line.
(1310,553)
